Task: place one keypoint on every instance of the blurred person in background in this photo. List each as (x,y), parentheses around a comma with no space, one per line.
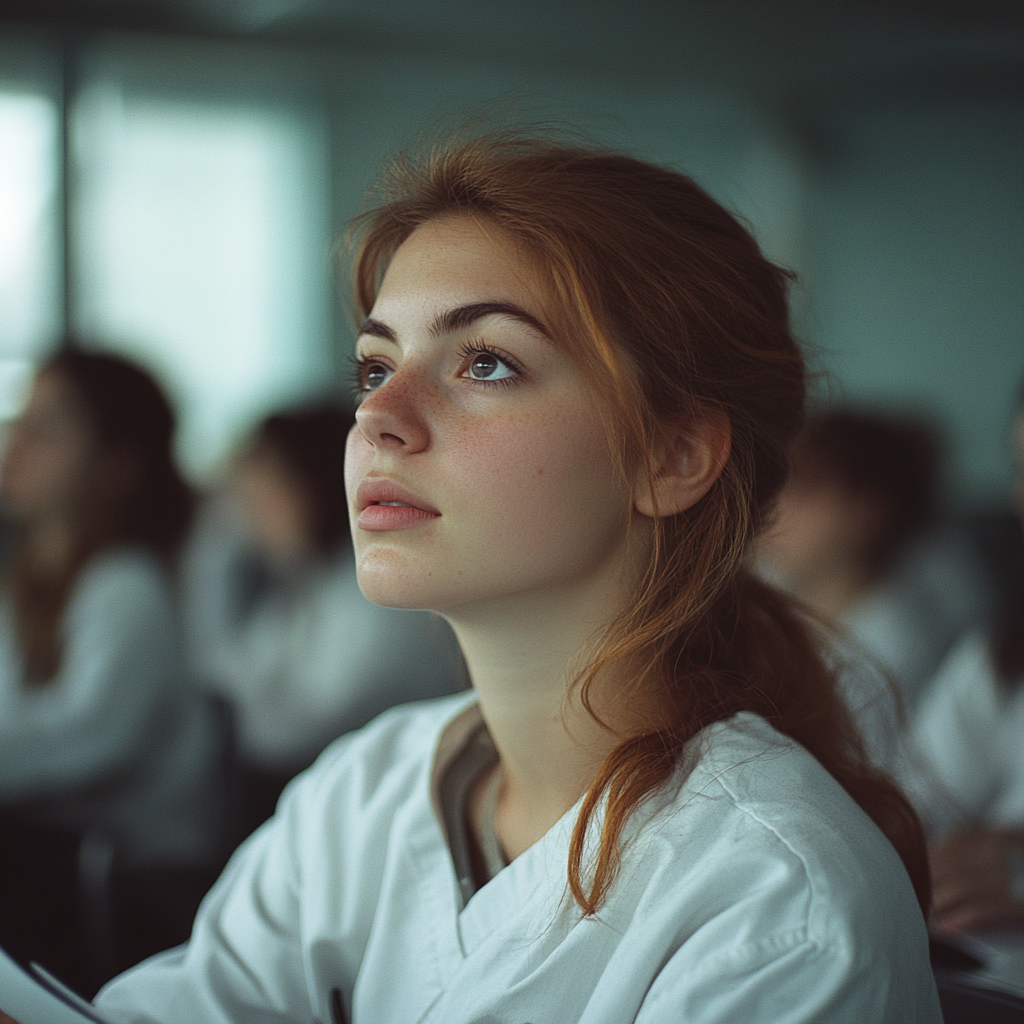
(850,541)
(969,738)
(276,621)
(107,760)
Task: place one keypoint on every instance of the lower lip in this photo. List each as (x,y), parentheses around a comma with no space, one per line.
(393,517)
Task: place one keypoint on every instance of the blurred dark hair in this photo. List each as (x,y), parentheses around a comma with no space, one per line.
(1006,639)
(311,443)
(128,413)
(892,459)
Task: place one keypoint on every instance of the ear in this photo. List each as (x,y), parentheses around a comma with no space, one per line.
(688,460)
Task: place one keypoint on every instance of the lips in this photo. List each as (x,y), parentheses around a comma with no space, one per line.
(384,505)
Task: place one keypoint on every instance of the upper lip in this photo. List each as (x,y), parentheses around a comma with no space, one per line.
(374,490)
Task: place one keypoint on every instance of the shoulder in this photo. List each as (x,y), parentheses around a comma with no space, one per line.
(767,838)
(969,658)
(965,695)
(124,566)
(968,712)
(758,884)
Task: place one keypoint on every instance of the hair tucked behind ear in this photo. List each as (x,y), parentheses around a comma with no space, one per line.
(667,304)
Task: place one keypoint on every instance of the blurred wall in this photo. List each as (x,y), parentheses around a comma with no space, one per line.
(900,204)
(903,217)
(732,147)
(915,262)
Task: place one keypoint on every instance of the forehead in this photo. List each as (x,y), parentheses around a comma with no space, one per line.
(456,260)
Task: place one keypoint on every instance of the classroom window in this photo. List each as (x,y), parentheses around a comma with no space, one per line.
(201,249)
(30,314)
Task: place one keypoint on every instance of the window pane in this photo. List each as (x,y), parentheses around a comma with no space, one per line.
(202,238)
(30,312)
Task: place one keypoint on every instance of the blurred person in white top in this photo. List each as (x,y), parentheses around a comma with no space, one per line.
(852,540)
(968,742)
(275,619)
(98,732)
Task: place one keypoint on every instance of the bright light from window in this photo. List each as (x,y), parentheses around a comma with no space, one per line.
(203,238)
(29,266)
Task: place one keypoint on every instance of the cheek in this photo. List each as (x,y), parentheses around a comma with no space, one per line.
(539,477)
(358,453)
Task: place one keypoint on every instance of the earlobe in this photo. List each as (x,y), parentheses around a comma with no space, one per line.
(689,460)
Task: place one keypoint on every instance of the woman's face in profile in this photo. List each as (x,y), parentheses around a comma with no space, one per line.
(479,467)
(49,467)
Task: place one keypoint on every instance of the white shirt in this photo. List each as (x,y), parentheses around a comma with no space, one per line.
(313,658)
(912,618)
(969,745)
(752,889)
(114,740)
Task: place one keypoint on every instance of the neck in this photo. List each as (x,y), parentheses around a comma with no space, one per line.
(523,653)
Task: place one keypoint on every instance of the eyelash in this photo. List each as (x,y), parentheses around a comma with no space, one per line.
(475,348)
(359,365)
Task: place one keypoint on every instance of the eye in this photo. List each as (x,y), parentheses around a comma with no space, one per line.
(487,366)
(373,375)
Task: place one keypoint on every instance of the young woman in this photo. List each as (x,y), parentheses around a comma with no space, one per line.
(275,618)
(579,386)
(97,733)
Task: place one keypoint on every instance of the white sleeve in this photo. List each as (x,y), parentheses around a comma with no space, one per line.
(787,979)
(244,960)
(957,769)
(209,588)
(96,716)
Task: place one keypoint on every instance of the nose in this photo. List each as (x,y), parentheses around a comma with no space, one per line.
(392,418)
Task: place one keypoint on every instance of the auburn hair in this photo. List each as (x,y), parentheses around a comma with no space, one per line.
(125,411)
(667,305)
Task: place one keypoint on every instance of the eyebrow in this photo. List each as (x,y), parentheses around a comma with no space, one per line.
(376,329)
(459,318)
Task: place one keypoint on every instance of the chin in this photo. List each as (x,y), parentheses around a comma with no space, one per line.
(385,578)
